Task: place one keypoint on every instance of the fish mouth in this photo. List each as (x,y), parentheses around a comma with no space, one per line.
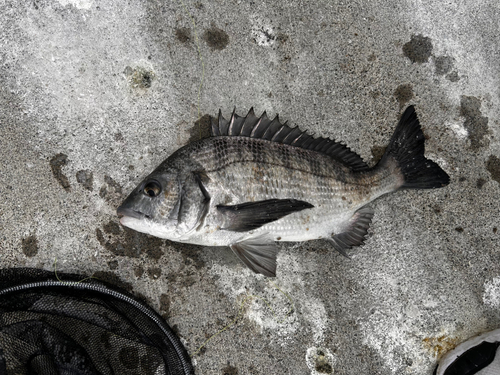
(129,212)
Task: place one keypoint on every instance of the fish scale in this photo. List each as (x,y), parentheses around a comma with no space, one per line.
(257,181)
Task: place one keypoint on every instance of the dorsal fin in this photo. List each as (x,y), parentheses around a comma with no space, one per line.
(273,130)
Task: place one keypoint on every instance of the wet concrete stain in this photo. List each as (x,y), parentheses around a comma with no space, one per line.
(418,49)
(403,94)
(183,34)
(453,77)
(229,370)
(201,129)
(129,243)
(139,77)
(154,272)
(30,246)
(377,152)
(113,184)
(493,166)
(112,228)
(138,271)
(480,183)
(443,64)
(475,123)
(56,164)
(165,305)
(111,191)
(86,178)
(113,279)
(216,38)
(190,253)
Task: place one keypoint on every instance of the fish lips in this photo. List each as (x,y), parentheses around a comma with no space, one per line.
(129,212)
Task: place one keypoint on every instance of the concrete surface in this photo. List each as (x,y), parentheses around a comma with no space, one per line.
(95,94)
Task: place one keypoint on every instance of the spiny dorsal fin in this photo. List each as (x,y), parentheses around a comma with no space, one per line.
(275,131)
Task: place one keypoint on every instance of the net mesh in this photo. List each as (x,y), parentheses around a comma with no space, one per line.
(90,327)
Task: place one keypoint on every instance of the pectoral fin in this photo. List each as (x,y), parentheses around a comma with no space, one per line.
(258,254)
(252,215)
(200,178)
(354,234)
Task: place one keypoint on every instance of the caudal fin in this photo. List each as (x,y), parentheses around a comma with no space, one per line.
(407,148)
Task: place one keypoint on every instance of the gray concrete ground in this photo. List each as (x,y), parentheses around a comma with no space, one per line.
(94,94)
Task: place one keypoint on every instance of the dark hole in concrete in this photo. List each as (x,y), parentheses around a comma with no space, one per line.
(321,363)
(139,78)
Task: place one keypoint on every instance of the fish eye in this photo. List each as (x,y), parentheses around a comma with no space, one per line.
(152,189)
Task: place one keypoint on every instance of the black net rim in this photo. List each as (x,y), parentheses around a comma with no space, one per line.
(97,286)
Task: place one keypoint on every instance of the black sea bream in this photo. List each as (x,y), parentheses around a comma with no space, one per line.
(257,181)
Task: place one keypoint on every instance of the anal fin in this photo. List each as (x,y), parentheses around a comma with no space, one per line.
(258,254)
(355,233)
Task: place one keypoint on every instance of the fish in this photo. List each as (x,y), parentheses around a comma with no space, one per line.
(256,181)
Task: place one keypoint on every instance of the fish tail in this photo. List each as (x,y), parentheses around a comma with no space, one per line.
(405,154)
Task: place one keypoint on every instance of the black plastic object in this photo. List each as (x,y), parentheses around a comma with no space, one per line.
(78,327)
(477,355)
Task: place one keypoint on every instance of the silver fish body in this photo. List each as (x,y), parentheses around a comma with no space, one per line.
(257,181)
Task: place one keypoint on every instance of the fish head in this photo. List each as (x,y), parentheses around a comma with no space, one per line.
(153,206)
